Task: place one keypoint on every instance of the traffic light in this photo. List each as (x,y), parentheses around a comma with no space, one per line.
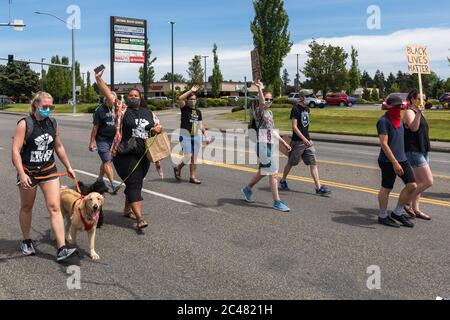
(10,59)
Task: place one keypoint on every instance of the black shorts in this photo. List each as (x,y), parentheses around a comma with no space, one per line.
(388,174)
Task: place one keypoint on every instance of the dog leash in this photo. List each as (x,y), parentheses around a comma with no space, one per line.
(148,146)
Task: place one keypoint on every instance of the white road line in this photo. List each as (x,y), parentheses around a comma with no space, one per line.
(145,190)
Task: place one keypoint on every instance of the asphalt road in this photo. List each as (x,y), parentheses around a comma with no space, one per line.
(204,242)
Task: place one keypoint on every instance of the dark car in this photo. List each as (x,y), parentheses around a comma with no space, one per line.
(402,96)
(445,99)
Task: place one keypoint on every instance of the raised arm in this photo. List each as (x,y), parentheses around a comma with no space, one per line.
(182,99)
(262,101)
(104,89)
(411,119)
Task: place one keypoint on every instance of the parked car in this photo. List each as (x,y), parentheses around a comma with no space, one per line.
(312,101)
(293,97)
(340,99)
(402,96)
(445,99)
(157,98)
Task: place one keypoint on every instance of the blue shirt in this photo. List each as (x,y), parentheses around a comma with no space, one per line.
(396,139)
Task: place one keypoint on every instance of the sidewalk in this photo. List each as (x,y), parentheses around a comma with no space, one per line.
(170,120)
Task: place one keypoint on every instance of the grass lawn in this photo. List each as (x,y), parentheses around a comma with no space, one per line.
(352,122)
(60,108)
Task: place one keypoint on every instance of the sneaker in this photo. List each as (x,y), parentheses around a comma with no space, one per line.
(403,219)
(284,185)
(63,253)
(279,205)
(27,248)
(388,222)
(247,195)
(115,186)
(323,191)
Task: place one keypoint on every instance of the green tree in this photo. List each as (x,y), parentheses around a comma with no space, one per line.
(17,79)
(150,68)
(195,71)
(272,39)
(58,80)
(389,82)
(366,80)
(379,81)
(394,88)
(366,94)
(90,95)
(326,67)
(375,96)
(177,77)
(216,78)
(353,73)
(285,79)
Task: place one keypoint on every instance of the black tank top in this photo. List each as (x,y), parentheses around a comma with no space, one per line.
(418,141)
(38,150)
(137,123)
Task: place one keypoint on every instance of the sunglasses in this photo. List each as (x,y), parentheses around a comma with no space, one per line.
(48,107)
(269,100)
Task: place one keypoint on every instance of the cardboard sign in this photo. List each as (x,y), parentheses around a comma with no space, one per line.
(256,67)
(418,60)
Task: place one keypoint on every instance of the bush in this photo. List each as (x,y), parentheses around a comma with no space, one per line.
(274,106)
(158,105)
(282,100)
(433,102)
(212,102)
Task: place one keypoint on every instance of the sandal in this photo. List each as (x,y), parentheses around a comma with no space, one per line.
(195,181)
(177,174)
(129,215)
(423,216)
(410,212)
(142,224)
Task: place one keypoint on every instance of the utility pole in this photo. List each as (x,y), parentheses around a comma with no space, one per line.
(246,94)
(297,77)
(206,79)
(173,72)
(42,74)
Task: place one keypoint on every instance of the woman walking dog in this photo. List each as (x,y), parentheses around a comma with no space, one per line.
(133,126)
(35,142)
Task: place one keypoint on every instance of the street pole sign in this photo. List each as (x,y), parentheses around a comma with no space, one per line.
(129,44)
(418,62)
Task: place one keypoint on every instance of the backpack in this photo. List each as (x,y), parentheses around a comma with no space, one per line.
(30,126)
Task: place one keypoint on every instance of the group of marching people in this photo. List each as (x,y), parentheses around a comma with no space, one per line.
(120,129)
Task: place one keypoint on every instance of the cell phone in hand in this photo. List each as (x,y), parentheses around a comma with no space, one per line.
(99,69)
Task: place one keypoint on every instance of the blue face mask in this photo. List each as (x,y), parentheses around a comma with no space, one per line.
(44,113)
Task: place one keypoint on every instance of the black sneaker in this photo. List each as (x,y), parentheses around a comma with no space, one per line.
(388,222)
(27,248)
(63,253)
(403,219)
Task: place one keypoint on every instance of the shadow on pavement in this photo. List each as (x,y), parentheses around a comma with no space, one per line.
(241,203)
(360,217)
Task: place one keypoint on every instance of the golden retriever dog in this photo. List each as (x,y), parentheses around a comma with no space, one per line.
(81,214)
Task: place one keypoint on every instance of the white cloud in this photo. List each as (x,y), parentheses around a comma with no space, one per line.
(387,52)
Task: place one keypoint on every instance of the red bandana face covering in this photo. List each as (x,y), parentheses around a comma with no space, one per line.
(395,115)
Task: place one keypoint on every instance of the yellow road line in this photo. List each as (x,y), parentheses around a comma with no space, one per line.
(441,203)
(337,163)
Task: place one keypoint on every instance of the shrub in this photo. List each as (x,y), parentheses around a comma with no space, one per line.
(157,105)
(212,102)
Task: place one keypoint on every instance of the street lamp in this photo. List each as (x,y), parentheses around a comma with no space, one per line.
(297,76)
(72,27)
(173,75)
(206,81)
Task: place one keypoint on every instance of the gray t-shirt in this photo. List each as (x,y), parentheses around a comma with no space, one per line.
(396,139)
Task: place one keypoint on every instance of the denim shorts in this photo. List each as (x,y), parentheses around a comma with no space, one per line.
(191,144)
(103,149)
(418,159)
(266,162)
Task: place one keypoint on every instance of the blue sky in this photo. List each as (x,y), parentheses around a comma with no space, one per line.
(200,23)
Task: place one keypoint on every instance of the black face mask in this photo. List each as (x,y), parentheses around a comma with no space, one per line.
(133,103)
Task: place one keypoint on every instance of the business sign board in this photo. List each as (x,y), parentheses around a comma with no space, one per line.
(128,42)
